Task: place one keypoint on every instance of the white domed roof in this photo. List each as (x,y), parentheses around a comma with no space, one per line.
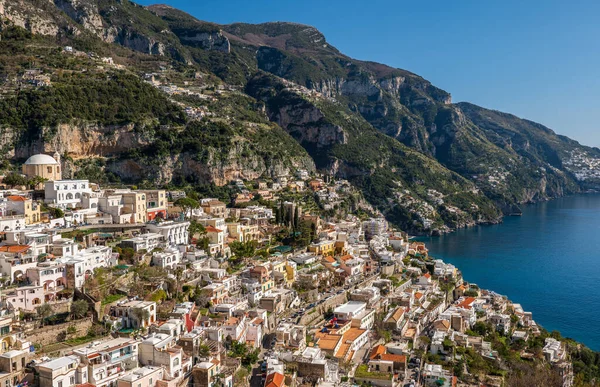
(40,159)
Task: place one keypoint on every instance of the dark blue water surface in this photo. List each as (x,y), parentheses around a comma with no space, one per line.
(548,260)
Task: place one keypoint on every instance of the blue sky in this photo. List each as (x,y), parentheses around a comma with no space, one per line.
(539,60)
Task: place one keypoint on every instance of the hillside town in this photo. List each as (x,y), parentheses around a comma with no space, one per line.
(294,282)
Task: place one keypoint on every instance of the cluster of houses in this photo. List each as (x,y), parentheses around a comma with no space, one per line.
(354,303)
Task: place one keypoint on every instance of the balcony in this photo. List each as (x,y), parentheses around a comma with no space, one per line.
(122,358)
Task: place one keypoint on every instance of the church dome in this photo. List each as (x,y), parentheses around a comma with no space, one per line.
(41,159)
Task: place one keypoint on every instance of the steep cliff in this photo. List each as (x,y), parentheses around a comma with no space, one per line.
(263,100)
(411,189)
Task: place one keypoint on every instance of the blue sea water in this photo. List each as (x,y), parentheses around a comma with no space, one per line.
(548,260)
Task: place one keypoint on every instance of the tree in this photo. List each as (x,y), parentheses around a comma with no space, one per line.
(296,217)
(196,228)
(141,315)
(56,213)
(44,311)
(14,179)
(186,205)
(178,275)
(127,254)
(34,181)
(243,249)
(203,243)
(241,351)
(204,351)
(79,308)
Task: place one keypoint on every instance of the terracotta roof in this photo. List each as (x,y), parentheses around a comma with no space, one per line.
(212,229)
(346,258)
(397,314)
(341,353)
(329,259)
(418,295)
(392,357)
(15,198)
(275,380)
(329,342)
(442,324)
(14,248)
(377,350)
(353,333)
(427,275)
(467,303)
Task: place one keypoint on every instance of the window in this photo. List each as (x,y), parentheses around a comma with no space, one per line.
(49,169)
(60,383)
(72,380)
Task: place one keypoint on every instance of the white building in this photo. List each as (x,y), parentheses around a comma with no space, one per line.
(147,242)
(168,259)
(130,318)
(61,372)
(66,193)
(174,233)
(160,350)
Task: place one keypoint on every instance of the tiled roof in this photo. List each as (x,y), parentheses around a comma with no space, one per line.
(467,303)
(329,342)
(15,198)
(377,350)
(212,229)
(397,314)
(392,357)
(14,248)
(275,380)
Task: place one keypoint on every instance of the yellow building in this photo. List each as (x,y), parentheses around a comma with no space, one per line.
(135,204)
(322,248)
(20,205)
(44,166)
(267,285)
(291,274)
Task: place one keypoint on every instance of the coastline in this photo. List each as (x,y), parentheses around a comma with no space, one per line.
(561,315)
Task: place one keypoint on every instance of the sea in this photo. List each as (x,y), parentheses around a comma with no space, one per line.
(547,260)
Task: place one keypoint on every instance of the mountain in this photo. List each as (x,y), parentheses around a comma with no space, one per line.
(185,101)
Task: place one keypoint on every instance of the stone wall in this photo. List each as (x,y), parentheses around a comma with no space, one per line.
(56,333)
(317,316)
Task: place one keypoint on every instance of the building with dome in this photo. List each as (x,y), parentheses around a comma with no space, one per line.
(44,166)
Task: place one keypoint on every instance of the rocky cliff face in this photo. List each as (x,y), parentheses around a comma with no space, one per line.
(428,164)
(112,143)
(84,13)
(212,41)
(37,19)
